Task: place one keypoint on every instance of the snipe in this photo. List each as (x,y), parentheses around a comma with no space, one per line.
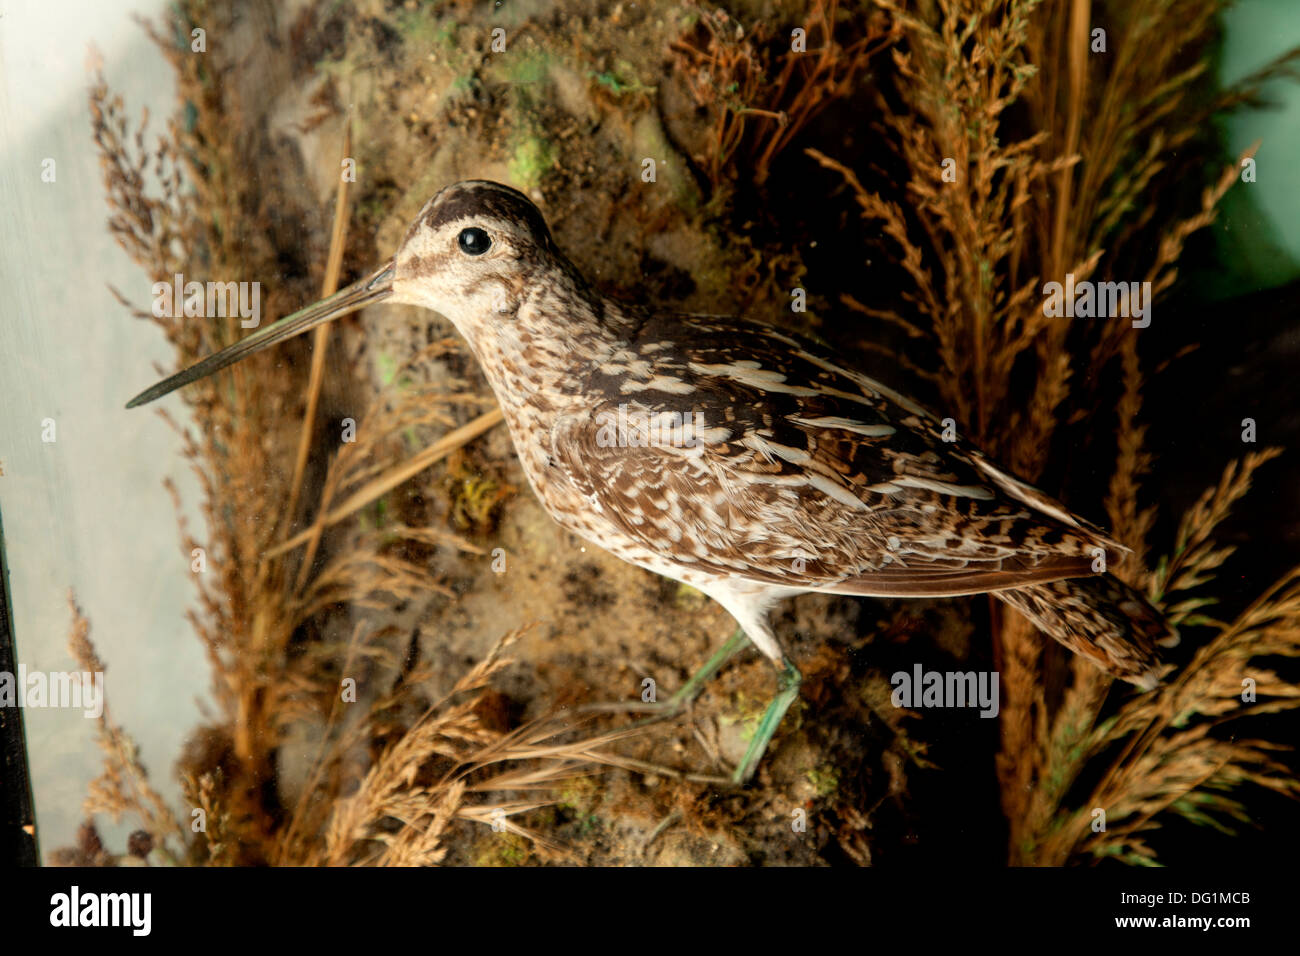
(744,461)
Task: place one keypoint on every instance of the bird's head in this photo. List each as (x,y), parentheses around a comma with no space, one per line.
(471,254)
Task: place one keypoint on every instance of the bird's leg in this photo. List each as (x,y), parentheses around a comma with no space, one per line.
(788,683)
(685,695)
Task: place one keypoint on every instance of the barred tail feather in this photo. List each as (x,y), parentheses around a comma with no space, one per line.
(1102,619)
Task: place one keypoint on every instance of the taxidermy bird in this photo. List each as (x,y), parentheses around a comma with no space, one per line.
(746,462)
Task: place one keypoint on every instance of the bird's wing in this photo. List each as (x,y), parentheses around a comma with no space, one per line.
(751,452)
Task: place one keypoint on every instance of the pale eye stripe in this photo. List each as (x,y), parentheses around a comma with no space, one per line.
(848,425)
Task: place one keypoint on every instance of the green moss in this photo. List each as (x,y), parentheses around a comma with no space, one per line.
(615,81)
(689,597)
(532,159)
(446,36)
(377,513)
(503,849)
(387,368)
(473,500)
(532,155)
(422,30)
(577,800)
(577,796)
(748,713)
(528,70)
(825,779)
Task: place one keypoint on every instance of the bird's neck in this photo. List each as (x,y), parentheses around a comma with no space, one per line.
(558,334)
(538,362)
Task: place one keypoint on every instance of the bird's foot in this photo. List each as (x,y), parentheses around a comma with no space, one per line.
(686,695)
(787,690)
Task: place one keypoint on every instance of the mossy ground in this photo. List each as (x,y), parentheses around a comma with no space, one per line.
(568,112)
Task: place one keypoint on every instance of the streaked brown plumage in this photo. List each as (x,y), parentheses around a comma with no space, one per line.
(799,473)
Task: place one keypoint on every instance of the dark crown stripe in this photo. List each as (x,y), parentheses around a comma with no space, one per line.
(481,198)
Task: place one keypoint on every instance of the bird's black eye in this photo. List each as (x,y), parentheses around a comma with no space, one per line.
(474,241)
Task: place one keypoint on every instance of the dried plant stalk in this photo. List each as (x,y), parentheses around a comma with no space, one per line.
(1030,202)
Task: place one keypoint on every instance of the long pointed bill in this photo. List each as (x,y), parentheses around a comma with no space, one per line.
(374,288)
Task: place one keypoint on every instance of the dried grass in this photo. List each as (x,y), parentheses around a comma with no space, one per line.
(446,766)
(1178,750)
(269,614)
(756,116)
(1035,198)
(123,788)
